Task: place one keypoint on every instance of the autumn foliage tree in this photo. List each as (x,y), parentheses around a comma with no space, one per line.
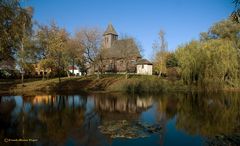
(15,22)
(75,53)
(160,52)
(52,43)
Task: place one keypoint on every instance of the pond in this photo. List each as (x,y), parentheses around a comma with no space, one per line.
(181,119)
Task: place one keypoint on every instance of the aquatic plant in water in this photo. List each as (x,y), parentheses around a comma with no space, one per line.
(129,130)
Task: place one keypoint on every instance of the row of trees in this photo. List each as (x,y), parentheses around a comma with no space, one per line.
(50,48)
(211,61)
(25,44)
(54,49)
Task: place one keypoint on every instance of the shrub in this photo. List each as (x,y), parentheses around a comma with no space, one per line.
(143,84)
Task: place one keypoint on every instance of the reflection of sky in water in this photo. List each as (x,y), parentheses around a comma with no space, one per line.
(74,101)
(149,116)
(153,140)
(18,108)
(176,137)
(27,107)
(90,105)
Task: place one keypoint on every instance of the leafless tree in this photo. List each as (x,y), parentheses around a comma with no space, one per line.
(160,53)
(90,39)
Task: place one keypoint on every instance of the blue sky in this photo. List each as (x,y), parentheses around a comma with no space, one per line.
(182,20)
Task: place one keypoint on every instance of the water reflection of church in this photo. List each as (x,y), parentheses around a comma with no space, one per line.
(123,104)
(120,107)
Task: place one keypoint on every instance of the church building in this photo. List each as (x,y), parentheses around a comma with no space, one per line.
(120,55)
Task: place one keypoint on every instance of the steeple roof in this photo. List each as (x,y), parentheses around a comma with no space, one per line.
(110,30)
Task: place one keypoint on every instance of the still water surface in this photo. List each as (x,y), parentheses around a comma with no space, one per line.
(106,119)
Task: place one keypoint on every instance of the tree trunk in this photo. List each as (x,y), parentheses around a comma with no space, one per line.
(98,76)
(22,70)
(73,67)
(43,74)
(22,78)
(159,75)
(126,75)
(59,62)
(126,70)
(22,49)
(98,72)
(68,74)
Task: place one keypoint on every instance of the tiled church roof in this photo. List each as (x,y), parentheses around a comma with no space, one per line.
(123,48)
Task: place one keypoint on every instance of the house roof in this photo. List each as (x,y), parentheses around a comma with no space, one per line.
(123,48)
(144,61)
(110,30)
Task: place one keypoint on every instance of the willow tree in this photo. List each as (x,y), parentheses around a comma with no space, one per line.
(214,60)
(190,59)
(221,64)
(225,30)
(213,63)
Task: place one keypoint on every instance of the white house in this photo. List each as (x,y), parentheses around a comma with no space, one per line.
(74,70)
(144,67)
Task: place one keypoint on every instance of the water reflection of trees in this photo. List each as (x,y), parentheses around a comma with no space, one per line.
(209,115)
(6,106)
(56,119)
(217,116)
(167,106)
(61,118)
(50,121)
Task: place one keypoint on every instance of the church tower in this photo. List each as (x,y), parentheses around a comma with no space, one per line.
(110,35)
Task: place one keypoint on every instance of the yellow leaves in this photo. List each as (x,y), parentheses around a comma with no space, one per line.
(160,62)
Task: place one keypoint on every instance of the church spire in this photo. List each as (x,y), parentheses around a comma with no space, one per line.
(110,30)
(110,35)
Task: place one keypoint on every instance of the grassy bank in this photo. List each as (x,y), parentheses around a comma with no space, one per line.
(106,83)
(146,84)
